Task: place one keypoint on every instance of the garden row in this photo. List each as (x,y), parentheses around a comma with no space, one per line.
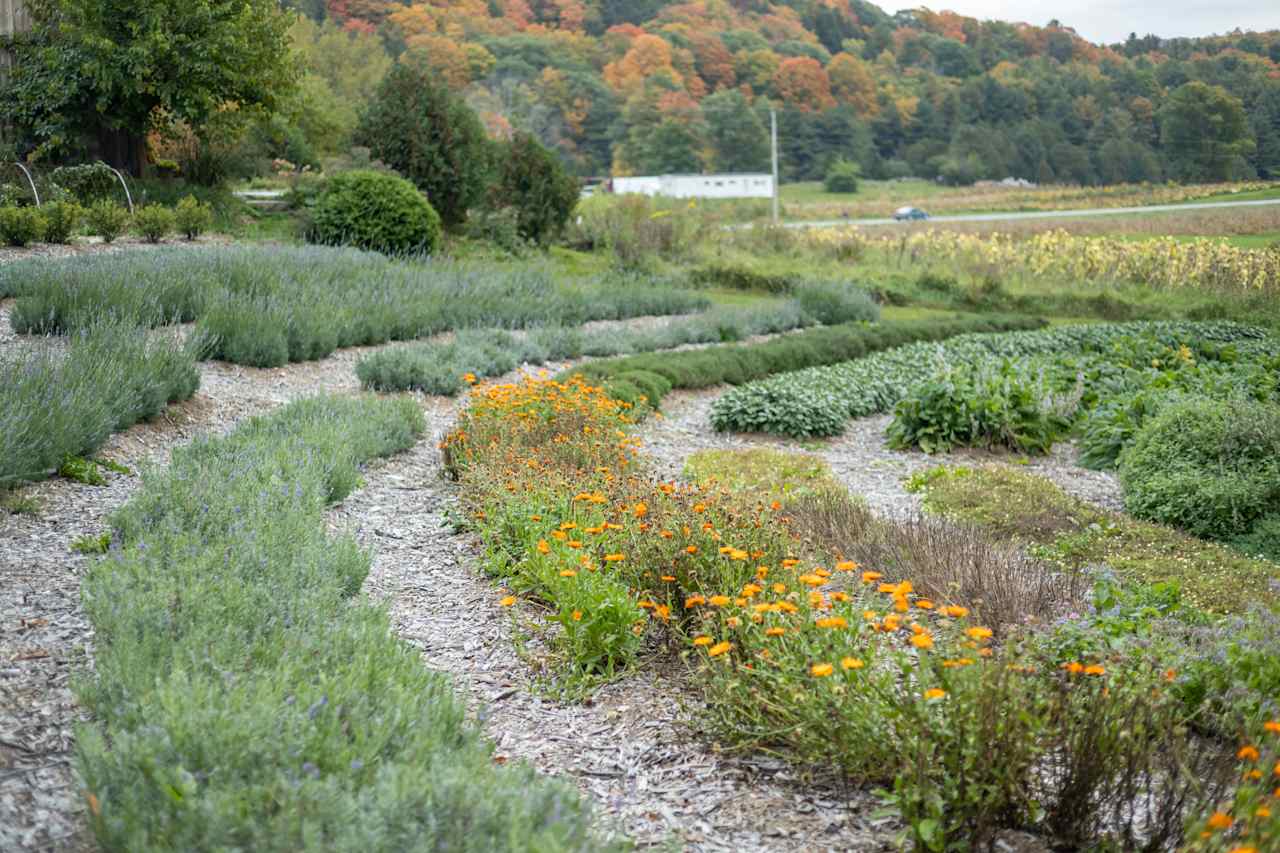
(246,697)
(268,305)
(737,364)
(59,221)
(894,672)
(58,404)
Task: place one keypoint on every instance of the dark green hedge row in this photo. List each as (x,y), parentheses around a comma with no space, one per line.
(735,364)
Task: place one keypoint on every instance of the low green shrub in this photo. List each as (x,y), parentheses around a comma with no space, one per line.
(1209,467)
(979,406)
(192,217)
(106,219)
(842,177)
(244,696)
(60,220)
(154,222)
(20,226)
(734,277)
(375,211)
(55,406)
(834,302)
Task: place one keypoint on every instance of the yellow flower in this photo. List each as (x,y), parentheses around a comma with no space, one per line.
(979,633)
(469,378)
(1248,753)
(851,663)
(1095,669)
(821,670)
(871,577)
(543,547)
(668,579)
(719,648)
(702,640)
(780,588)
(924,604)
(577,616)
(922,641)
(935,693)
(955,611)
(832,622)
(614,558)
(568,573)
(846,566)
(508,601)
(775,632)
(718,600)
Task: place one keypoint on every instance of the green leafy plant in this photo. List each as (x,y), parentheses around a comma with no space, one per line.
(842,177)
(374,210)
(107,219)
(154,222)
(20,226)
(60,220)
(532,180)
(192,217)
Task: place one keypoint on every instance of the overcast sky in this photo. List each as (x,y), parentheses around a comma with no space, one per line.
(1110,21)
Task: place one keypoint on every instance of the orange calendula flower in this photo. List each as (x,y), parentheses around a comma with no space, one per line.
(871,577)
(568,573)
(979,633)
(668,578)
(1170,675)
(614,558)
(1272,726)
(662,611)
(1263,812)
(1095,669)
(775,506)
(924,604)
(775,632)
(543,547)
(577,616)
(699,508)
(640,510)
(719,648)
(1220,820)
(692,549)
(790,562)
(846,566)
(922,641)
(694,601)
(821,670)
(957,662)
(851,663)
(666,534)
(832,622)
(719,600)
(508,601)
(1074,667)
(702,640)
(935,693)
(1248,752)
(574,543)
(469,378)
(779,588)
(955,611)
(811,580)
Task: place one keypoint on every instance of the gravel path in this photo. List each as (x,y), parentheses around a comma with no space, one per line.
(860,458)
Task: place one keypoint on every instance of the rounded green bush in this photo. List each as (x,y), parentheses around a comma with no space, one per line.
(60,220)
(842,177)
(106,219)
(377,211)
(20,225)
(1209,467)
(154,222)
(835,302)
(653,386)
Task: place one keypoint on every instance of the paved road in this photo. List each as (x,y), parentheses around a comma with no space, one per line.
(1042,214)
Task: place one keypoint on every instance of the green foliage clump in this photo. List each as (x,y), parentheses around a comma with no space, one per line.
(1209,467)
(106,219)
(192,217)
(842,177)
(154,222)
(87,182)
(740,277)
(978,406)
(375,211)
(331,726)
(835,302)
(60,220)
(58,406)
(428,134)
(532,181)
(20,226)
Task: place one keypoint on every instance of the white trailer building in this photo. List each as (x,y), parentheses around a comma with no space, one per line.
(744,185)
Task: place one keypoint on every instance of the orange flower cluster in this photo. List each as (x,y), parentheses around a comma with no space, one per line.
(1252,821)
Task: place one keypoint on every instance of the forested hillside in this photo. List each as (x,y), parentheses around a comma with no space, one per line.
(650,86)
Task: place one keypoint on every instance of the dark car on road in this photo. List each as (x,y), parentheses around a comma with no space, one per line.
(907,214)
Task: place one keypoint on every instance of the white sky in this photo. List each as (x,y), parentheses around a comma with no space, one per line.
(1109,21)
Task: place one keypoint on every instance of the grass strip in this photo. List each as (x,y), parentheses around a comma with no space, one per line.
(247,698)
(57,404)
(1031,510)
(268,305)
(736,364)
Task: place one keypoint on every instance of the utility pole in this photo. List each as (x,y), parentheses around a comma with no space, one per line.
(773,127)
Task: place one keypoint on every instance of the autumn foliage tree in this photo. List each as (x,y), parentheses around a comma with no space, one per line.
(802,81)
